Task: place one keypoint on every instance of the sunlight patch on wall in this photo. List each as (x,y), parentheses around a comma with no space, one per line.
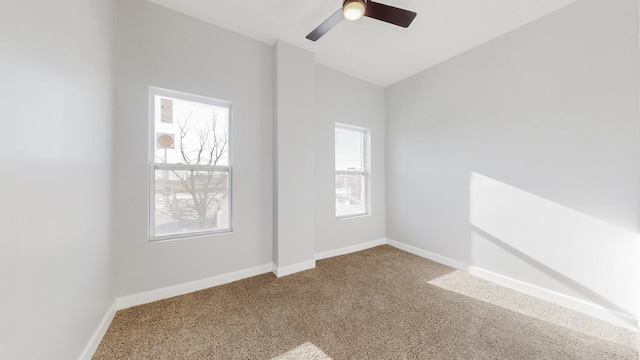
(304,351)
(593,258)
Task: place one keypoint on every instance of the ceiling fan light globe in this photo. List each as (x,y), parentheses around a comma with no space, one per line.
(353,10)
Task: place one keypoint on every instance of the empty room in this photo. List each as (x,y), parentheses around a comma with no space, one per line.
(329,179)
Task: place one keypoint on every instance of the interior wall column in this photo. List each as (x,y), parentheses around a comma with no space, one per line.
(294,183)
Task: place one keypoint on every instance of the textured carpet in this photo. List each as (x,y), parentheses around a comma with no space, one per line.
(465,284)
(374,304)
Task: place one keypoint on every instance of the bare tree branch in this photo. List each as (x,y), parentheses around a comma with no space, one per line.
(205,188)
(183,134)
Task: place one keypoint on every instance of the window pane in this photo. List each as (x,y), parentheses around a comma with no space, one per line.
(350,195)
(349,150)
(188,132)
(190,201)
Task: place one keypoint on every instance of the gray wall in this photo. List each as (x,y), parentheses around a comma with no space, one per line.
(159,47)
(55,248)
(341,98)
(294,78)
(548,115)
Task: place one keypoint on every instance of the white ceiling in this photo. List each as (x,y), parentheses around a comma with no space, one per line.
(369,49)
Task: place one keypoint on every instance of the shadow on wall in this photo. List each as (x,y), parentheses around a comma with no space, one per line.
(547,244)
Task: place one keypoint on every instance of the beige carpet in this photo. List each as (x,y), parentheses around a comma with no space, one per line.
(375,304)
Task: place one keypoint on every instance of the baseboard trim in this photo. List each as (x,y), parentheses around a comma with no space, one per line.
(597,311)
(567,301)
(429,255)
(185,288)
(97,336)
(128,301)
(350,249)
(281,271)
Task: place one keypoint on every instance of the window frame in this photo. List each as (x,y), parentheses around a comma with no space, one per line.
(153,166)
(366,169)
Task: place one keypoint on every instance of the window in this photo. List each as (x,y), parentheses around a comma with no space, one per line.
(352,171)
(190,169)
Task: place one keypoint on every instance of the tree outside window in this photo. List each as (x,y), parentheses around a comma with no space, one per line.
(191,170)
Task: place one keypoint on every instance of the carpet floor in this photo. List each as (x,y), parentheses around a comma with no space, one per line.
(380,303)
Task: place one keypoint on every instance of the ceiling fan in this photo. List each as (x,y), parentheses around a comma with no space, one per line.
(353,10)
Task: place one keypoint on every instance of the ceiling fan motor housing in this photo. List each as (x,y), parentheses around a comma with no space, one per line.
(364,2)
(353,10)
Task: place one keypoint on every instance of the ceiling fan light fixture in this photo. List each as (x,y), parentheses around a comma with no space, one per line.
(353,10)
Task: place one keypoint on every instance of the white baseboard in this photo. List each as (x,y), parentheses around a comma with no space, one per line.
(429,255)
(583,306)
(97,336)
(181,289)
(281,271)
(350,249)
(185,288)
(567,301)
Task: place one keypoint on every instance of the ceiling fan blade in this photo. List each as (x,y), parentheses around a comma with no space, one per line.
(390,14)
(327,25)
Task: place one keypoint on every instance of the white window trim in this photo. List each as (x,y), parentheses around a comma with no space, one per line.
(153,91)
(366,173)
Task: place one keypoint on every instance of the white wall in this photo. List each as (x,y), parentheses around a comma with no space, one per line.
(548,115)
(343,99)
(159,47)
(55,248)
(295,138)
